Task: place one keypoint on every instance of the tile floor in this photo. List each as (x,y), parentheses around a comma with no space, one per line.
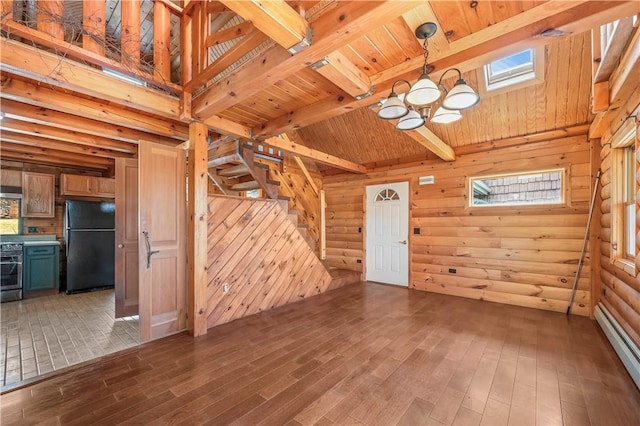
(48,333)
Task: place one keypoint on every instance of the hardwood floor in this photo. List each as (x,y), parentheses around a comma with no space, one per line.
(362,354)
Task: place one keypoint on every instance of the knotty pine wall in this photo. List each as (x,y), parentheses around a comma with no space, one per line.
(256,250)
(524,256)
(619,290)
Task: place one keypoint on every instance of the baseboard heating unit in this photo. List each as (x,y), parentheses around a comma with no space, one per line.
(625,348)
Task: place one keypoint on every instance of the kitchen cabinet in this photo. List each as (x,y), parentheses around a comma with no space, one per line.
(38,195)
(87,186)
(41,268)
(11,178)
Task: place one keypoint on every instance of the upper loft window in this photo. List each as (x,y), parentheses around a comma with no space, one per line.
(514,71)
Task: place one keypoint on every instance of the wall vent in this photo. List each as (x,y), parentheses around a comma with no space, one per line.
(426,180)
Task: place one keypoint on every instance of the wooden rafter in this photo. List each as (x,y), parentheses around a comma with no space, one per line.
(339,70)
(274,18)
(339,26)
(288,145)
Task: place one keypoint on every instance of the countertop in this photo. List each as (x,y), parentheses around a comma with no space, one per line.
(41,243)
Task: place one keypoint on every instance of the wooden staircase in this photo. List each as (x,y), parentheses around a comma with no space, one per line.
(233,169)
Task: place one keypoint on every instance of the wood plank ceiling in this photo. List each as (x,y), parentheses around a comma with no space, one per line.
(257,86)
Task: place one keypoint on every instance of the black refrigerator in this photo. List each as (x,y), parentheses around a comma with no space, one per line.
(89,234)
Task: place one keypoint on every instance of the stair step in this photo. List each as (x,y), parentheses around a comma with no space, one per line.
(246,186)
(303,231)
(293,217)
(235,171)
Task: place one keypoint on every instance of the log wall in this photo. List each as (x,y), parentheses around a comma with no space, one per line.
(619,289)
(258,252)
(524,255)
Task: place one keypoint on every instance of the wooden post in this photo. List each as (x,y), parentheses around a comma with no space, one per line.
(130,33)
(93,22)
(50,16)
(161,41)
(198,216)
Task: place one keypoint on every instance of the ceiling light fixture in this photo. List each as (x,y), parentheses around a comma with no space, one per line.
(415,108)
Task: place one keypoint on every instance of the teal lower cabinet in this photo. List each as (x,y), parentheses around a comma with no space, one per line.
(41,268)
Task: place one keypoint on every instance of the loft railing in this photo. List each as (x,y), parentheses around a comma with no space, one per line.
(129,38)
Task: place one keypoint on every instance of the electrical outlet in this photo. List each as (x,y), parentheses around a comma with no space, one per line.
(416,231)
(452,270)
(225,288)
(359,261)
(33,230)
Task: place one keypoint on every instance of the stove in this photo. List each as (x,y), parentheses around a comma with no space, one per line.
(11,272)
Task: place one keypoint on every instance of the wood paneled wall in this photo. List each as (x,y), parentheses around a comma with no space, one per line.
(258,252)
(524,256)
(619,289)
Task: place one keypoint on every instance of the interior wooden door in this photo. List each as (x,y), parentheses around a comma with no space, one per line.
(162,240)
(126,267)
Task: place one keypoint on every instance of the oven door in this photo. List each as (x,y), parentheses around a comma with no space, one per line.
(11,272)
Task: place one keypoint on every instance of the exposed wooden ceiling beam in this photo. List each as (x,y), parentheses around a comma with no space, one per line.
(505,37)
(429,140)
(37,64)
(433,143)
(288,145)
(8,135)
(339,26)
(340,71)
(47,159)
(43,96)
(46,155)
(49,117)
(90,142)
(274,18)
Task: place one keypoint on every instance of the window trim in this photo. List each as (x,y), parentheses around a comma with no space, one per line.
(624,138)
(564,188)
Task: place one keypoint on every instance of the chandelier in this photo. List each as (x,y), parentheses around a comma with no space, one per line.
(415,108)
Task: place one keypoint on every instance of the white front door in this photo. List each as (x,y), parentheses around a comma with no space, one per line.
(388,233)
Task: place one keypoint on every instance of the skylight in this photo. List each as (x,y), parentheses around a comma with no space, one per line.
(521,67)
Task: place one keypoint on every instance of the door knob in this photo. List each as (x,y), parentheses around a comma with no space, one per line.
(402,242)
(120,245)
